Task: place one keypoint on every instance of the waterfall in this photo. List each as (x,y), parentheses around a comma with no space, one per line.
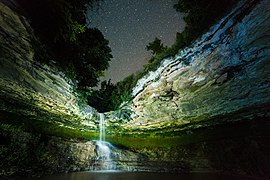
(103,148)
(101,127)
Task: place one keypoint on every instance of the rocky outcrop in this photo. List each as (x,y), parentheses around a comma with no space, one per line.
(208,107)
(30,89)
(225,73)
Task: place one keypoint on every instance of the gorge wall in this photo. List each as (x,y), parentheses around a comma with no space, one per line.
(206,109)
(37,102)
(211,101)
(33,90)
(223,73)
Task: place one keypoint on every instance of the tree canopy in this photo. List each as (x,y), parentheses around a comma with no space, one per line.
(84,53)
(199,17)
(81,52)
(156,46)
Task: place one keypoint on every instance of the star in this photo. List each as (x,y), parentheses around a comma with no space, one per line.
(131,25)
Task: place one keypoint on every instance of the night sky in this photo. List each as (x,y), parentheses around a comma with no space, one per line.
(130,25)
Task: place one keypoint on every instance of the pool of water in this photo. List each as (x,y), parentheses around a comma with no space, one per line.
(117,175)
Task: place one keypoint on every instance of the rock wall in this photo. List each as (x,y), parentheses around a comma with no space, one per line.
(207,108)
(35,96)
(223,74)
(30,89)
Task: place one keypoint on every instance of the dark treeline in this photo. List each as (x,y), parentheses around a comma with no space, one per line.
(200,15)
(82,53)
(111,96)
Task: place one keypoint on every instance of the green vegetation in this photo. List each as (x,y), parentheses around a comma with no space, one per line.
(25,124)
(60,25)
(211,131)
(156,47)
(112,96)
(63,132)
(20,150)
(102,95)
(25,150)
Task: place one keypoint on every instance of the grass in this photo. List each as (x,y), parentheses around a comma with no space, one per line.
(215,132)
(47,128)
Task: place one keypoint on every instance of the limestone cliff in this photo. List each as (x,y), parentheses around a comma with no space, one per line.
(32,90)
(206,109)
(223,76)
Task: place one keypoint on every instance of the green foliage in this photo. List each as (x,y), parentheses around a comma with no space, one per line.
(102,99)
(112,96)
(18,148)
(156,46)
(199,16)
(82,53)
(83,94)
(92,57)
(10,128)
(74,28)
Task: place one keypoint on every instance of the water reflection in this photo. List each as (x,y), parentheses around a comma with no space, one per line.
(117,175)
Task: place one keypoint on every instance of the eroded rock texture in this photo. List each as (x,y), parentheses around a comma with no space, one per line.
(30,89)
(223,76)
(206,109)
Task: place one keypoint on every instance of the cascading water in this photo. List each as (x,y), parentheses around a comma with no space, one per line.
(103,148)
(101,127)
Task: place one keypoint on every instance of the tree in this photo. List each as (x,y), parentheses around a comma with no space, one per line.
(60,25)
(102,99)
(200,15)
(156,46)
(93,56)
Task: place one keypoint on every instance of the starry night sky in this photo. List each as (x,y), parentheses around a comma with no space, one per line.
(130,25)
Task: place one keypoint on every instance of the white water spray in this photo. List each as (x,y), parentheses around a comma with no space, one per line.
(101,127)
(103,148)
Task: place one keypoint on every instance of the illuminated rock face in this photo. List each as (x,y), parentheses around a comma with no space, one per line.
(31,89)
(207,108)
(223,76)
(223,73)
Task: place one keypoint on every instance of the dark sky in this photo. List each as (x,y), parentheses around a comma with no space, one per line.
(130,25)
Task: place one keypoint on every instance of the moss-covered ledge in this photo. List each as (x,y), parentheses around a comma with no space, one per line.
(238,147)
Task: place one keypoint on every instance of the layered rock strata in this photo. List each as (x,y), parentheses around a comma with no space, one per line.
(206,109)
(33,90)
(223,74)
